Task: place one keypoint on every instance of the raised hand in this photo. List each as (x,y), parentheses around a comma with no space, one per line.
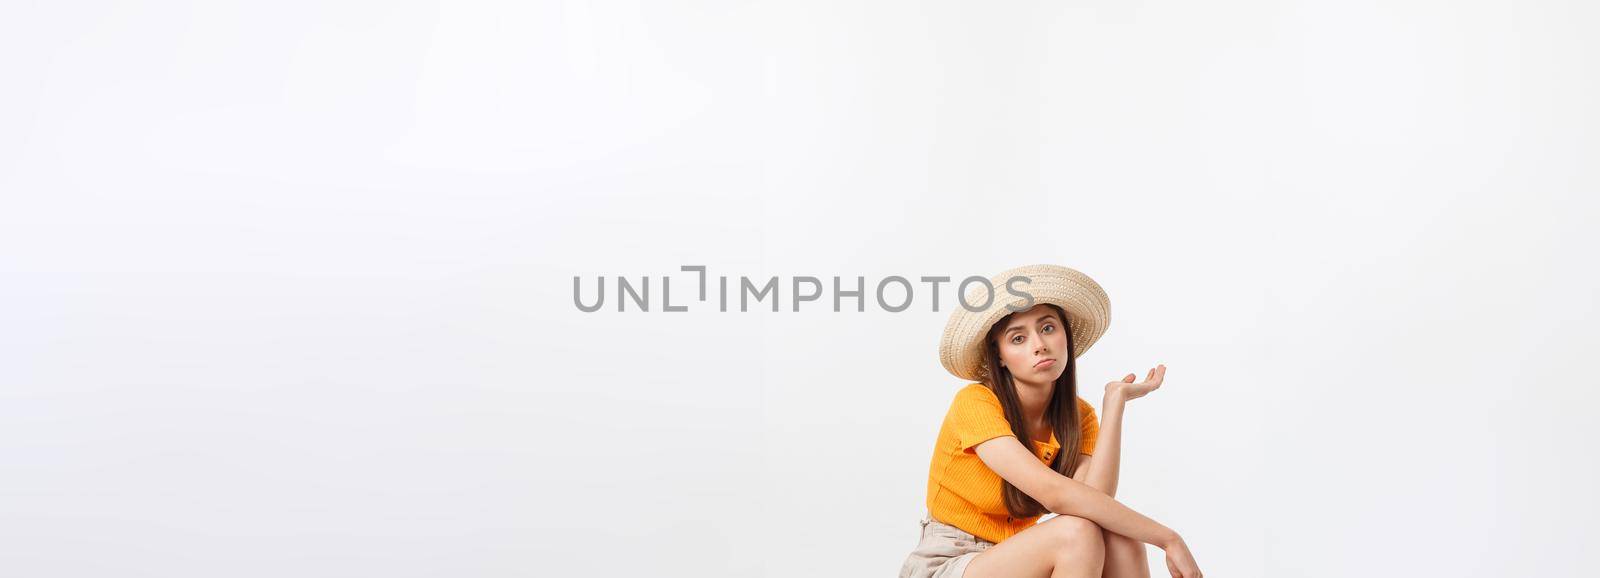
(1130,389)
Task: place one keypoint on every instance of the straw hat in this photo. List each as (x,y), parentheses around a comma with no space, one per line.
(1087,307)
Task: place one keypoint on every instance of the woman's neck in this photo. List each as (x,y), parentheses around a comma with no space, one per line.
(1034,398)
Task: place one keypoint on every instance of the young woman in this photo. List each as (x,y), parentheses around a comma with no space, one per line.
(1019,442)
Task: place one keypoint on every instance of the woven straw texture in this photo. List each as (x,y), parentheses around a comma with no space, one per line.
(1087,306)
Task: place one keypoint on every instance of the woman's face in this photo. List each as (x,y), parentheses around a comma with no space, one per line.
(1033,345)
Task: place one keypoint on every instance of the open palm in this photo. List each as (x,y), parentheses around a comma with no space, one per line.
(1130,389)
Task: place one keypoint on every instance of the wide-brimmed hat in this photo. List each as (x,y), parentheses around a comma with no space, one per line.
(1087,307)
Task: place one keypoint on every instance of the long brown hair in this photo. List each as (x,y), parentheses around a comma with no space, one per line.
(1061,412)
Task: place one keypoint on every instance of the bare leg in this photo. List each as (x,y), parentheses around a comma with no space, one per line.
(1061,547)
(1125,557)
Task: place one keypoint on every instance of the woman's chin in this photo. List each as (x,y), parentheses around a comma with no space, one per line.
(1041,377)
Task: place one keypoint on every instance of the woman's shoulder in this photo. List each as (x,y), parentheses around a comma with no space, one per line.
(973,387)
(1086,412)
(1083,406)
(979,392)
(974,397)
(975,392)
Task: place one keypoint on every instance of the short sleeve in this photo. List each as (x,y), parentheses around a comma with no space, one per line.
(976,417)
(1089,425)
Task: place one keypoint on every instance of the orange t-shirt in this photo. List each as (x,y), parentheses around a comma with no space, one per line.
(962,490)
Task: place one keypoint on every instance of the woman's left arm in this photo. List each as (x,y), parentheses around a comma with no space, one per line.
(1101,470)
(1107,458)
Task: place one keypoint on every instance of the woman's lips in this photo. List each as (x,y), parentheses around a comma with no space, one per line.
(1044,364)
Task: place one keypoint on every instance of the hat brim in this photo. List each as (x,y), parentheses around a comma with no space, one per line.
(1082,299)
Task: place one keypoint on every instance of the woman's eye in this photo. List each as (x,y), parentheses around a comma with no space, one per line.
(1049,328)
(1016,339)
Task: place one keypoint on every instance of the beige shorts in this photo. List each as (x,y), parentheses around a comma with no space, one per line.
(944,551)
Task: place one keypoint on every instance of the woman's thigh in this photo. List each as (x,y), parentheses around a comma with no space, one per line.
(1033,552)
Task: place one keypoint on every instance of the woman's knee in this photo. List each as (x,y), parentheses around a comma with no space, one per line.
(1120,544)
(1079,538)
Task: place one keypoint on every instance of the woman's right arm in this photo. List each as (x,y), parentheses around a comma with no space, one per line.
(1066,496)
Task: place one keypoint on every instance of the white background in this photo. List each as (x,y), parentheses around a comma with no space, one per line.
(286,287)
